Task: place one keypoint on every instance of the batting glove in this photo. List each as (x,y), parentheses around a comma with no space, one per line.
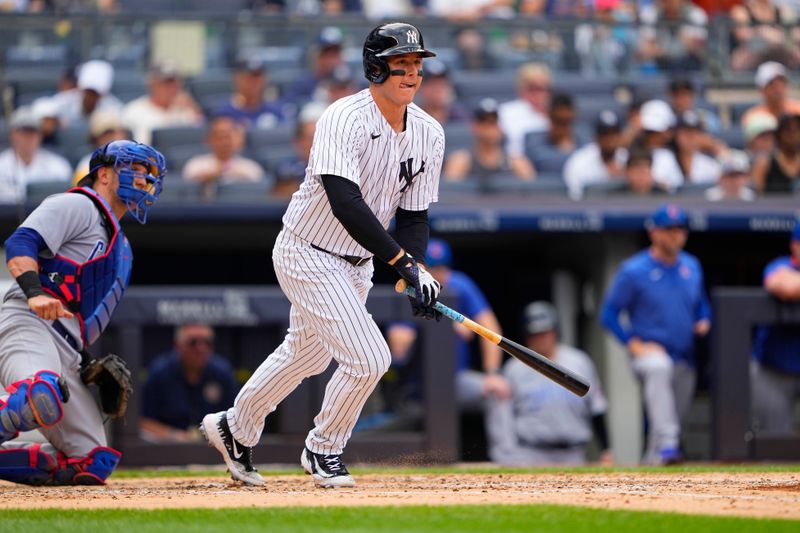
(426,288)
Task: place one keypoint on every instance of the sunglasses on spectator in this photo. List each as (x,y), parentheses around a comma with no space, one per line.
(194,342)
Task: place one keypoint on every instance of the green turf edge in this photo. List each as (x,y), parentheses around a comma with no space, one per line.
(282,470)
(422,519)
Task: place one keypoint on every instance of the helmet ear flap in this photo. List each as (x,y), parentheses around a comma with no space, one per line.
(376,69)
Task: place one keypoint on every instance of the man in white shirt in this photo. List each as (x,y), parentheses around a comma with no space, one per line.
(600,161)
(165,105)
(74,107)
(528,112)
(26,161)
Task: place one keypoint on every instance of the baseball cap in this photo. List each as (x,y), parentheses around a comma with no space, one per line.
(96,75)
(251,63)
(104,120)
(24,118)
(165,70)
(330,37)
(436,68)
(757,123)
(45,107)
(341,75)
(438,253)
(769,71)
(689,119)
(681,84)
(540,317)
(656,115)
(607,121)
(735,162)
(486,107)
(668,216)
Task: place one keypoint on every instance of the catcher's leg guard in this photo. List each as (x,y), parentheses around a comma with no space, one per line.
(33,403)
(29,465)
(93,469)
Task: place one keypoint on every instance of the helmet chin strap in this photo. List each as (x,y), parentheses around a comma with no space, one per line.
(401,72)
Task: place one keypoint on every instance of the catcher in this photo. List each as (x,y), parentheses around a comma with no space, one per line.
(71,263)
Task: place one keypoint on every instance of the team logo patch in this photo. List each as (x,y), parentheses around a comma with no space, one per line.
(407,175)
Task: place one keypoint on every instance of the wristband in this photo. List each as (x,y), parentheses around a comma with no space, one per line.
(29,283)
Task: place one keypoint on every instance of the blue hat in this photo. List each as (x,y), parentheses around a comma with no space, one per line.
(668,216)
(438,253)
(796,232)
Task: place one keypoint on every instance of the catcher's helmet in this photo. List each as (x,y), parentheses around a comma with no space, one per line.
(386,40)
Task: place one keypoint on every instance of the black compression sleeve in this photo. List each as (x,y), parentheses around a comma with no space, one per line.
(349,208)
(599,426)
(412,232)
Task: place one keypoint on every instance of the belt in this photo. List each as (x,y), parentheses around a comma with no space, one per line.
(352,259)
(62,332)
(553,445)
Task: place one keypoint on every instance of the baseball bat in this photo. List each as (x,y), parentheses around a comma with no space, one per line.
(550,369)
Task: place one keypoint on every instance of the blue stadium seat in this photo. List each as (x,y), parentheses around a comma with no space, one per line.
(38,191)
(53,55)
(457,136)
(694,189)
(733,137)
(473,85)
(178,190)
(256,192)
(580,86)
(738,109)
(165,139)
(512,184)
(260,140)
(177,156)
(278,57)
(604,188)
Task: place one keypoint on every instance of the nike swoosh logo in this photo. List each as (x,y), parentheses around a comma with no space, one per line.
(374,135)
(236,453)
(320,471)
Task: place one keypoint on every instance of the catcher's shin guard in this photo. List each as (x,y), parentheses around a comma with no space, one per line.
(33,403)
(31,466)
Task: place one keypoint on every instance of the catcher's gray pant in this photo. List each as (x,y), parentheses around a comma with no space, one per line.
(28,344)
(668,389)
(774,394)
(328,320)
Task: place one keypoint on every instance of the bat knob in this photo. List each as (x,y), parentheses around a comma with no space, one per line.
(400,286)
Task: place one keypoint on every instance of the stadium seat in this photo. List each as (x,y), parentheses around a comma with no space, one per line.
(473,85)
(457,136)
(260,140)
(178,190)
(694,189)
(278,57)
(448,189)
(605,188)
(39,190)
(733,137)
(513,184)
(53,55)
(165,139)
(177,156)
(211,84)
(245,192)
(738,109)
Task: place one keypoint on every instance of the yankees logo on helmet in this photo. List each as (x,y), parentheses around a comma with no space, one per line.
(387,40)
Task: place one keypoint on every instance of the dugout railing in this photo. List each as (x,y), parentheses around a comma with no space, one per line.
(154,312)
(737,311)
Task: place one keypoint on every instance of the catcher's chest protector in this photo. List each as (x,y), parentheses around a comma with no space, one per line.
(92,290)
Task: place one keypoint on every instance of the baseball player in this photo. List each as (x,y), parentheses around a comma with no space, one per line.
(72,264)
(375,156)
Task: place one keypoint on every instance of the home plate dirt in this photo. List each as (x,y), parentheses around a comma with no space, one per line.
(775,495)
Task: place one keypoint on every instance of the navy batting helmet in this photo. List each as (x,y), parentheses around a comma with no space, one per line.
(393,39)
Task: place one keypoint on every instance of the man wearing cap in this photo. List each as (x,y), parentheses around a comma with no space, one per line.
(682,99)
(339,84)
(695,166)
(734,181)
(661,290)
(437,95)
(105,126)
(658,122)
(327,55)
(775,371)
(166,104)
(93,92)
(544,424)
(488,156)
(772,80)
(248,104)
(26,161)
(528,113)
(759,133)
(600,161)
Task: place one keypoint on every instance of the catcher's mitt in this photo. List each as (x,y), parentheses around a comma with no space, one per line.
(112,377)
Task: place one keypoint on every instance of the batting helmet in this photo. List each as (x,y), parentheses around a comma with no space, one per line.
(122,155)
(393,39)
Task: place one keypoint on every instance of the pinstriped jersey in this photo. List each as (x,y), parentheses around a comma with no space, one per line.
(353,140)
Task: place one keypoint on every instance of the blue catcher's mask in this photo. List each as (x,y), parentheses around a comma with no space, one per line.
(122,156)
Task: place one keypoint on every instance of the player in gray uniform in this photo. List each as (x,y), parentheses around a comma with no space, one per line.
(545,424)
(71,263)
(375,156)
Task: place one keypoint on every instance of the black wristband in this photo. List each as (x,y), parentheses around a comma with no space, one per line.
(29,283)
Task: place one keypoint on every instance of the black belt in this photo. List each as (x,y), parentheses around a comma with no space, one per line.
(352,259)
(553,445)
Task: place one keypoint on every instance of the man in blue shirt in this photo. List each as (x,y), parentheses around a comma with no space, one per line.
(248,105)
(185,384)
(776,349)
(662,292)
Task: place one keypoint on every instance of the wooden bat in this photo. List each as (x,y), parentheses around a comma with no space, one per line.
(550,369)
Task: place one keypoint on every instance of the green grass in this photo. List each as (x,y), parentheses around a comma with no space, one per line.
(477,469)
(483,519)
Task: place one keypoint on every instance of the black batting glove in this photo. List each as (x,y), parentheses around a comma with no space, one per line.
(426,288)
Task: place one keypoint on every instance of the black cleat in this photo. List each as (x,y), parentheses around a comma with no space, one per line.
(238,457)
(328,471)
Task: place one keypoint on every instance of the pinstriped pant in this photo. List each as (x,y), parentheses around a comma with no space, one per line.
(328,320)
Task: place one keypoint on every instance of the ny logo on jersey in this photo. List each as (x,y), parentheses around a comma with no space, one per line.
(408,175)
(412,37)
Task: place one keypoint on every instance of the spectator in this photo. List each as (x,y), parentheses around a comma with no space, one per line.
(473,387)
(759,133)
(166,104)
(222,163)
(46,110)
(327,56)
(779,171)
(291,172)
(657,123)
(772,82)
(662,290)
(529,111)
(248,104)
(673,36)
(695,166)
(639,178)
(488,155)
(339,84)
(25,161)
(604,46)
(734,182)
(437,96)
(775,371)
(549,150)
(473,50)
(762,31)
(183,385)
(471,9)
(544,424)
(600,161)
(105,126)
(682,99)
(93,92)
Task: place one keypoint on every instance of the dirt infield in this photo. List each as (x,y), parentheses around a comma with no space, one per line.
(775,495)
